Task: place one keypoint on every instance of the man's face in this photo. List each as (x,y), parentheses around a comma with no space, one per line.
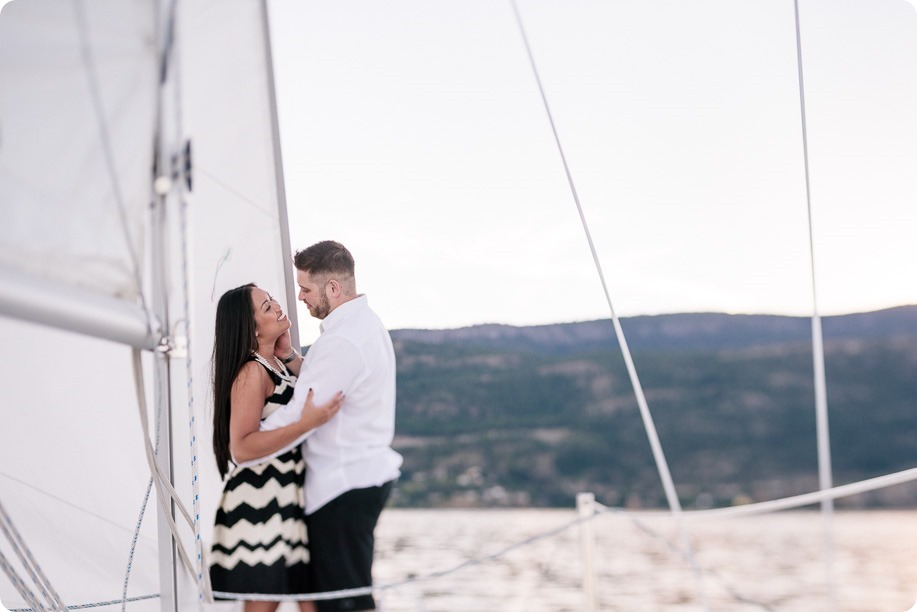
(312,293)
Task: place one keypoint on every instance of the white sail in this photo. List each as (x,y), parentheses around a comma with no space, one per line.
(82,113)
(78,117)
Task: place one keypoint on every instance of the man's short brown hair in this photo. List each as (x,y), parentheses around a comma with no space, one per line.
(325,257)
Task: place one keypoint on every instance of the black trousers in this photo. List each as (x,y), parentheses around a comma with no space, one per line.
(341,543)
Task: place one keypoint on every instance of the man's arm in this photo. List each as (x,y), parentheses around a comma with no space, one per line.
(331,365)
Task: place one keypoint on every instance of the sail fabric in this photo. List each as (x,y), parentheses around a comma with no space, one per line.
(235,224)
(72,470)
(77,122)
(73,473)
(77,117)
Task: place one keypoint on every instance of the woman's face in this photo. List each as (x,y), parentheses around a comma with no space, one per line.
(270,320)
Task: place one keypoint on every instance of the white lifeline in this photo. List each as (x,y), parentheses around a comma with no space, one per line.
(353,354)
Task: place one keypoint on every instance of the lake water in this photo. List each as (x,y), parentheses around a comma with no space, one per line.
(769,562)
(772,562)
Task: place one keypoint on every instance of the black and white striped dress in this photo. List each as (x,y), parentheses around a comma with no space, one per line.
(259,541)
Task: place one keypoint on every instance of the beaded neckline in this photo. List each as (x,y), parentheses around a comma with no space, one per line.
(265,363)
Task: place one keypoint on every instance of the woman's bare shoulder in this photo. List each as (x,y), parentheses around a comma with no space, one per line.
(251,374)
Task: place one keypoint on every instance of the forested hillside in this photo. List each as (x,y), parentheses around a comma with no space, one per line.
(497,415)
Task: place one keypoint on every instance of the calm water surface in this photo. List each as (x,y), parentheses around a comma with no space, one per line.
(773,562)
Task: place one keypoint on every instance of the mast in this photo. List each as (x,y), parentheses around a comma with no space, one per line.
(165,201)
(171,255)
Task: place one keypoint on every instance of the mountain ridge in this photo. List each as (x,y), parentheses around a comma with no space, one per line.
(675,330)
(497,415)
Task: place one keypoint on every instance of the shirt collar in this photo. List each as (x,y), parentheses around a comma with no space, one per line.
(339,314)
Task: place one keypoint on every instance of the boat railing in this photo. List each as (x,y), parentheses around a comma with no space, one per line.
(588,510)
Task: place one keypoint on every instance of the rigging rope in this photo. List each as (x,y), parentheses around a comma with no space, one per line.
(168,70)
(399,583)
(97,604)
(852,489)
(28,562)
(807,499)
(650,427)
(855,488)
(203,573)
(135,533)
(818,350)
(20,584)
(163,486)
(130,556)
(143,507)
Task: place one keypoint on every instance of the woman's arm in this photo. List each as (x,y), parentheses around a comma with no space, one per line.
(249,390)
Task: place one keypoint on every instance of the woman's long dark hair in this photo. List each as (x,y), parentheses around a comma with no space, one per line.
(233,343)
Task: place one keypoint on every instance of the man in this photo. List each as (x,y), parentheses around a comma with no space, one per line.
(350,465)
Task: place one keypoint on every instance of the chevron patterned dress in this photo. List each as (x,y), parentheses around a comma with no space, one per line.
(259,541)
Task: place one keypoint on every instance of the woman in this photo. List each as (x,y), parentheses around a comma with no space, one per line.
(260,543)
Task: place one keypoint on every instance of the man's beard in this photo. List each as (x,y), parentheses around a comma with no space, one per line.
(322,309)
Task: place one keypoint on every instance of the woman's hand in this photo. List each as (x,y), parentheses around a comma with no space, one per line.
(284,351)
(313,416)
(283,346)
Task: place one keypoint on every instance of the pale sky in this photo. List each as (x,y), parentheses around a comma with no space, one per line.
(413,132)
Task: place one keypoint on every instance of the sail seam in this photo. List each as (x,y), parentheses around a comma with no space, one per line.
(107,153)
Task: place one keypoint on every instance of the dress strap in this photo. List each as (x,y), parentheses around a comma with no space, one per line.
(276,375)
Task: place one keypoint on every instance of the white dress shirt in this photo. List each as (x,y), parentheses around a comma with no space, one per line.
(353,354)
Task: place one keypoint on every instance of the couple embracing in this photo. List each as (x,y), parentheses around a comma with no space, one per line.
(306,442)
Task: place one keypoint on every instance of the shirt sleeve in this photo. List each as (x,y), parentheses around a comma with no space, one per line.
(332,365)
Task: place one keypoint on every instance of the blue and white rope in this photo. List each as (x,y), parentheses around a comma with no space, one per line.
(28,561)
(19,584)
(98,604)
(143,506)
(130,557)
(164,488)
(203,574)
